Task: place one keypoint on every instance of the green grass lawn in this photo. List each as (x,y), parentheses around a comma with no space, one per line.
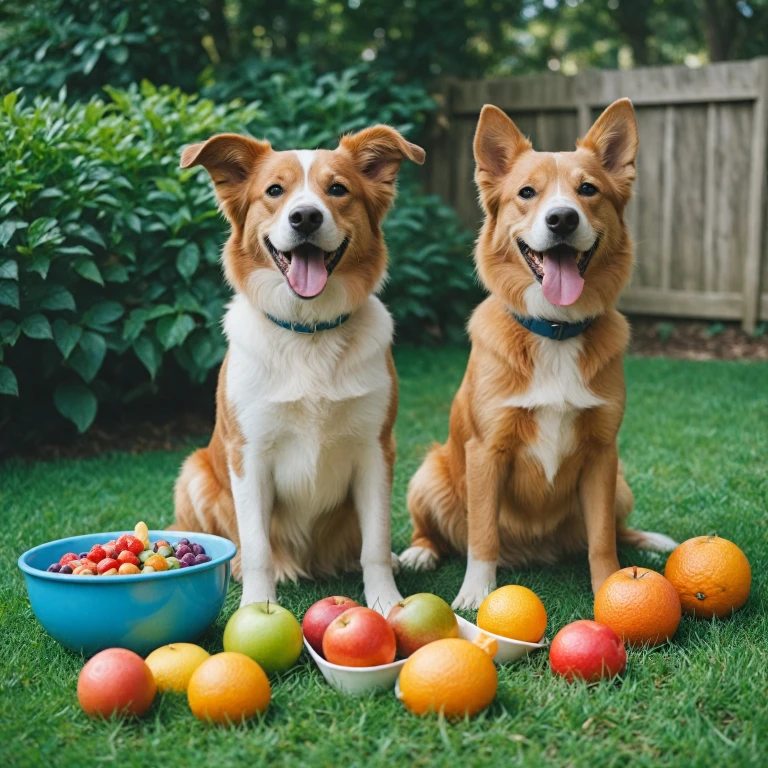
(694,442)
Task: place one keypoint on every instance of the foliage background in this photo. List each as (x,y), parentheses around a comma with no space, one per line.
(110,291)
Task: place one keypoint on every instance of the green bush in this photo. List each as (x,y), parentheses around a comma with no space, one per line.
(109,273)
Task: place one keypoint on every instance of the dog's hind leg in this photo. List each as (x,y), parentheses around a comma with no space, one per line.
(647,540)
(204,504)
(432,502)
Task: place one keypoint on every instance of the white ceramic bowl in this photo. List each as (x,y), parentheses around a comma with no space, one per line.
(361,680)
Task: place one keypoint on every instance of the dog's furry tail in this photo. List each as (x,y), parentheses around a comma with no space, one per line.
(653,542)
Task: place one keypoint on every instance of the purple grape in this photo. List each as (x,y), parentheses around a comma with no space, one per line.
(182,543)
(83,556)
(182,564)
(55,568)
(189,559)
(65,569)
(200,559)
(183,550)
(198,549)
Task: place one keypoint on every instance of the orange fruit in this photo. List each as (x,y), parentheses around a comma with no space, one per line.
(640,605)
(228,687)
(711,575)
(514,612)
(452,676)
(173,665)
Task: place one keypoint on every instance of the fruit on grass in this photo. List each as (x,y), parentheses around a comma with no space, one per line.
(360,637)
(640,605)
(586,650)
(320,615)
(452,675)
(420,619)
(115,681)
(514,612)
(172,665)
(267,633)
(712,576)
(228,687)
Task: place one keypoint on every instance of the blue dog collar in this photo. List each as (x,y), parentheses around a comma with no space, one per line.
(552,330)
(308,329)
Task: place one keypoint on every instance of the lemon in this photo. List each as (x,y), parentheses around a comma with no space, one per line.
(173,665)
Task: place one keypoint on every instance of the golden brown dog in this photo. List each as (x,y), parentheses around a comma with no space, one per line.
(530,471)
(299,469)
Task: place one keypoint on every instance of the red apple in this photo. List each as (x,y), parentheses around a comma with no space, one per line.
(320,615)
(115,681)
(421,619)
(586,650)
(359,637)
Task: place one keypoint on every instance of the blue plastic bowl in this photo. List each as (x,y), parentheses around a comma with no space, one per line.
(141,613)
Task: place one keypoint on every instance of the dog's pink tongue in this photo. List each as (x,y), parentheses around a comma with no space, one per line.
(307,273)
(562,283)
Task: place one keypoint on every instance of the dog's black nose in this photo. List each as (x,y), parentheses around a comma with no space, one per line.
(563,221)
(305,219)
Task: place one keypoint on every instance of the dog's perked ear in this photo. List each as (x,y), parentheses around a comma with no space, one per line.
(229,160)
(378,153)
(613,138)
(498,143)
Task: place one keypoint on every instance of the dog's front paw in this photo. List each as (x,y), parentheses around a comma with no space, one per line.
(418,559)
(471,595)
(382,599)
(258,594)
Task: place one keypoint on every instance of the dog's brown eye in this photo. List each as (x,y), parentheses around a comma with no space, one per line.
(527,193)
(337,190)
(275,190)
(587,189)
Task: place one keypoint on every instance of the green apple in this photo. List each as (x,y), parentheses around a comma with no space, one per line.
(266,632)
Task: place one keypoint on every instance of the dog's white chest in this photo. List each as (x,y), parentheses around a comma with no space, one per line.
(557,394)
(305,405)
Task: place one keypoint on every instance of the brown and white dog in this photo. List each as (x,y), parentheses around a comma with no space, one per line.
(530,471)
(299,469)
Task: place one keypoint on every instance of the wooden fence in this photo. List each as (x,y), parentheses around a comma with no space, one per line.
(698,213)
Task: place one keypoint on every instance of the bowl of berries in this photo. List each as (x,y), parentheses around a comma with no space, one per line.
(136,590)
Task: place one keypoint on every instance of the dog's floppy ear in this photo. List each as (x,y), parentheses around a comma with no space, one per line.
(498,143)
(613,138)
(378,153)
(229,160)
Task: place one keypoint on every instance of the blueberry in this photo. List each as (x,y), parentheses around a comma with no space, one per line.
(55,568)
(200,559)
(198,549)
(82,556)
(189,559)
(183,550)
(65,569)
(183,543)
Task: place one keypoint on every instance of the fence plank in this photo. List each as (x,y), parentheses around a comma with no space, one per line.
(756,191)
(668,192)
(709,204)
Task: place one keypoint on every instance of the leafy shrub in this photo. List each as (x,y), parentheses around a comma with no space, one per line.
(86,44)
(109,273)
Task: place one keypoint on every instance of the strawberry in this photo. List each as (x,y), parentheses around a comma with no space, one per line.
(134,545)
(68,558)
(97,553)
(110,552)
(122,543)
(126,556)
(107,564)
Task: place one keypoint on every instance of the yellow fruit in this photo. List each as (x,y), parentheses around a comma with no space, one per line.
(173,665)
(228,687)
(639,605)
(157,563)
(141,532)
(711,575)
(513,612)
(452,676)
